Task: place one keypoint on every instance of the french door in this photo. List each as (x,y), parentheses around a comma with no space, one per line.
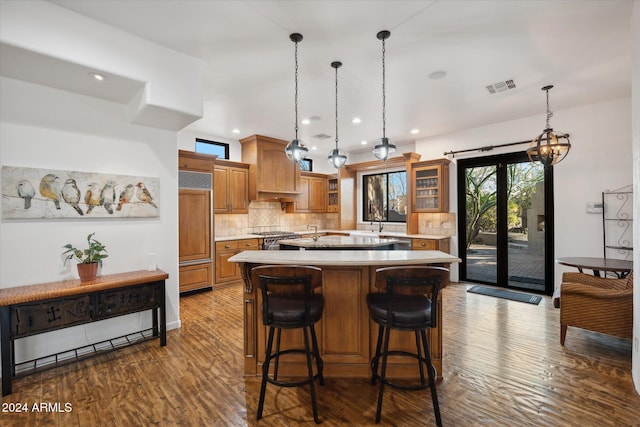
(505,218)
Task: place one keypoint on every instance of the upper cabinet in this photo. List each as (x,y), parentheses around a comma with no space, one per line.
(230,187)
(430,186)
(313,197)
(333,193)
(271,174)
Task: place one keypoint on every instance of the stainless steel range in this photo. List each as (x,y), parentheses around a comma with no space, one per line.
(271,238)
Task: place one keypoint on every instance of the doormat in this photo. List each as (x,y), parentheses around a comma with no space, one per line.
(500,293)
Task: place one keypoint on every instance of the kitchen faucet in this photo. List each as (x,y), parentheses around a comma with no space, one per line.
(380,226)
(315,236)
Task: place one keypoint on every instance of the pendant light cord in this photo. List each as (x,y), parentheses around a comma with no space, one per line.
(549,113)
(296,89)
(336,108)
(384,117)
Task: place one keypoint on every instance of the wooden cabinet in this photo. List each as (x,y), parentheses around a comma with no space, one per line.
(230,187)
(228,273)
(430,186)
(430,245)
(195,221)
(313,194)
(333,195)
(271,174)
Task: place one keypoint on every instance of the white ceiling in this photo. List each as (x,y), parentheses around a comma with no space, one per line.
(580,46)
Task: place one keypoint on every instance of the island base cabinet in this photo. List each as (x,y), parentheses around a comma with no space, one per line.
(346,335)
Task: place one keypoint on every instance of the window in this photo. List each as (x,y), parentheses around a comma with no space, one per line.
(306,165)
(212,147)
(385,197)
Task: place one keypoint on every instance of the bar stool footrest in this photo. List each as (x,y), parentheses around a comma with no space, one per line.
(420,386)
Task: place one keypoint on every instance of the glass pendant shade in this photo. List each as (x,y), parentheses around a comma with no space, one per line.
(337,158)
(296,150)
(383,150)
(546,149)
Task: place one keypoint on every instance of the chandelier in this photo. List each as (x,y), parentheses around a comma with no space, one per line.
(546,147)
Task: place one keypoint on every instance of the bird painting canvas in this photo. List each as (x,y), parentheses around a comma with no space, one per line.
(46,193)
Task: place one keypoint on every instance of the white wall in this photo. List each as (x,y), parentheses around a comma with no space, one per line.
(48,128)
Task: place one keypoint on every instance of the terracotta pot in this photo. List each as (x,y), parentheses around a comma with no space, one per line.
(87,272)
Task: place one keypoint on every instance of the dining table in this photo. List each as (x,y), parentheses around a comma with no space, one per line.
(619,267)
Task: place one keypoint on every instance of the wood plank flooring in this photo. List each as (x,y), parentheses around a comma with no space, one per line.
(504,366)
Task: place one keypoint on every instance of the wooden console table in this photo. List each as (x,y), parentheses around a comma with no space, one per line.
(35,309)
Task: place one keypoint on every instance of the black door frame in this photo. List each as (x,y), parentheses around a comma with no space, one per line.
(499,161)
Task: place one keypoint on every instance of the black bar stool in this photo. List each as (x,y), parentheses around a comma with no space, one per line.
(289,302)
(407,302)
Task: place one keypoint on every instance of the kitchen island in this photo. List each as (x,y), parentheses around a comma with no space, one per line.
(346,335)
(352,243)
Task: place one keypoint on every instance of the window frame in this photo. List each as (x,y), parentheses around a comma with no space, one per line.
(366,212)
(224,145)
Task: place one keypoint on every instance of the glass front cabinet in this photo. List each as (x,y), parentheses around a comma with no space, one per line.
(430,186)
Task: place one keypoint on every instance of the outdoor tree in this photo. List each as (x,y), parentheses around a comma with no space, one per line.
(481,196)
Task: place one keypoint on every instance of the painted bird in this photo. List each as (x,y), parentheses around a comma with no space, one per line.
(108,196)
(71,194)
(92,197)
(50,188)
(26,191)
(125,196)
(144,195)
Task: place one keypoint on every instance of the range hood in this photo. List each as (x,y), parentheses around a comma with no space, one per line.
(272,176)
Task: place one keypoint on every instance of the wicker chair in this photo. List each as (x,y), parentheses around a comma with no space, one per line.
(596,304)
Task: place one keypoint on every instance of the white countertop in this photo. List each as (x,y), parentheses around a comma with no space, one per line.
(338,242)
(361,233)
(338,258)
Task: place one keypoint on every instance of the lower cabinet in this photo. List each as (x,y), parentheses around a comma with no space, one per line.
(430,245)
(196,276)
(228,273)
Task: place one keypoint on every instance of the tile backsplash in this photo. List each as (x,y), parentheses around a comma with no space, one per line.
(269,216)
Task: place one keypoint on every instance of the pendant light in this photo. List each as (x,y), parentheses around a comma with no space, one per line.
(385,148)
(337,158)
(296,150)
(545,148)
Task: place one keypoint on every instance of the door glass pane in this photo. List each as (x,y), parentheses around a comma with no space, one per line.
(525,225)
(481,225)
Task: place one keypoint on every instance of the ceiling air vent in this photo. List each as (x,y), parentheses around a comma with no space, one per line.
(501,86)
(322,136)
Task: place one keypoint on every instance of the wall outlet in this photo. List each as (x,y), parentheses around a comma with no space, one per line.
(635,344)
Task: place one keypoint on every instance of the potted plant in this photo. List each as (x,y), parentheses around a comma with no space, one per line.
(88,259)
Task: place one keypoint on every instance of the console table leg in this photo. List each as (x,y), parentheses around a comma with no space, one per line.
(7,360)
(163,316)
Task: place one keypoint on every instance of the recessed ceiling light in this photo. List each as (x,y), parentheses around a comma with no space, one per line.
(314,148)
(98,76)
(363,142)
(437,75)
(414,131)
(235,130)
(306,121)
(356,120)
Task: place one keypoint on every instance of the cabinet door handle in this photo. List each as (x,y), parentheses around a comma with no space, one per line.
(227,246)
(247,244)
(423,244)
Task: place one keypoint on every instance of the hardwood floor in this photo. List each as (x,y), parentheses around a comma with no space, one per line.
(504,366)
